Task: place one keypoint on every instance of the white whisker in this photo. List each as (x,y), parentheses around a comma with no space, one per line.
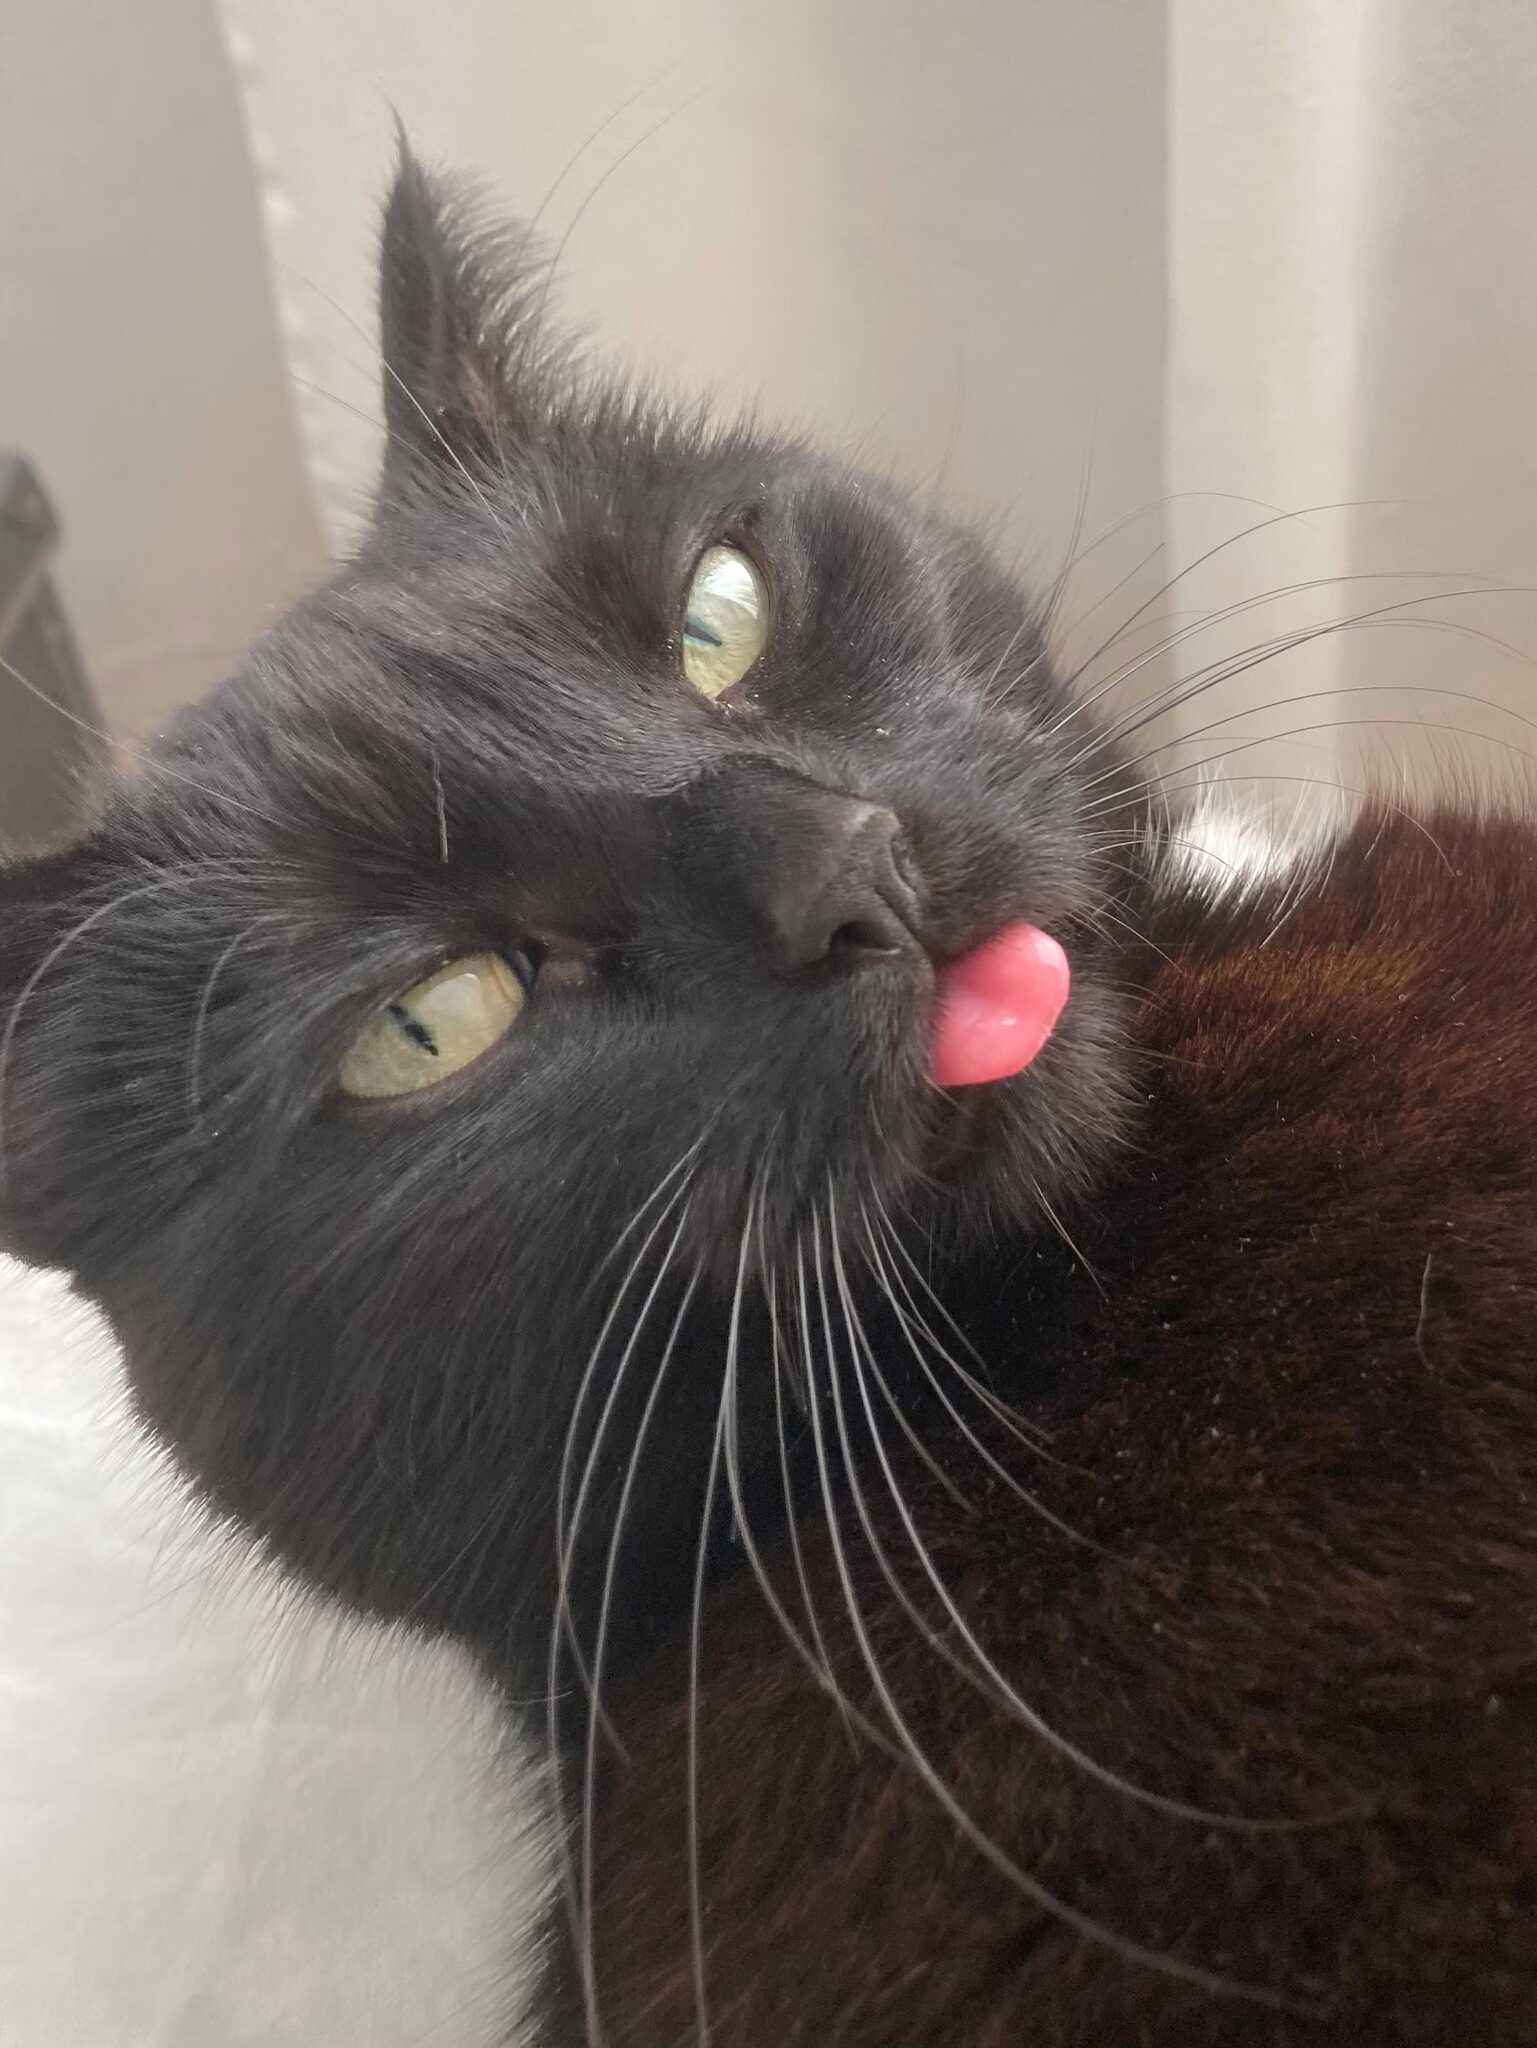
(695,1644)
(813,1654)
(1002,1690)
(1172,582)
(440,807)
(595,1685)
(54,954)
(1225,667)
(567,1526)
(1062,1231)
(1000,1471)
(1030,1435)
(1030,1887)
(200,1021)
(562,1625)
(154,763)
(407,393)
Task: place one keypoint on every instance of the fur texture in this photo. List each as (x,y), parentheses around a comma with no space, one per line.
(1297,1422)
(569,1356)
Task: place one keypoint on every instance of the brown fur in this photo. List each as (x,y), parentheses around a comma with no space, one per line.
(1300,1423)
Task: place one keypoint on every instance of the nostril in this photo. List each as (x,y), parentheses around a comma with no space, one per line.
(864,935)
(866,905)
(830,880)
(902,862)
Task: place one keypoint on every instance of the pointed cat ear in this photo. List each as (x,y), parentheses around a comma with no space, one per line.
(466,374)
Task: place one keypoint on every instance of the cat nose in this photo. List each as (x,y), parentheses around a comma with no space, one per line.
(837,885)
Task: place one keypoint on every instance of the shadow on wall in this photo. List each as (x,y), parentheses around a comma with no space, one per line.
(54,751)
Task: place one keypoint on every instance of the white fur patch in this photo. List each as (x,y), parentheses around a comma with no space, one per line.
(1223,849)
(229,1815)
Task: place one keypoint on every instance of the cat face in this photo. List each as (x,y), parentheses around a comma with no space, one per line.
(695,757)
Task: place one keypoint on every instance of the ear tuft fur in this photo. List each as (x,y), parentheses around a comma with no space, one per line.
(468,374)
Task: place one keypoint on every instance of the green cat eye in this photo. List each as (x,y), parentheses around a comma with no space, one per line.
(725,622)
(433,1029)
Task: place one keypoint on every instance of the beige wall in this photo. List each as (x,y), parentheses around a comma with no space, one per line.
(139,365)
(1352,262)
(898,234)
(1279,253)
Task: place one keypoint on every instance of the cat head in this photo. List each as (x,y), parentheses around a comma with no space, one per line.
(544,920)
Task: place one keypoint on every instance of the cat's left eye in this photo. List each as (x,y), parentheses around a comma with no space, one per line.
(726,620)
(433,1029)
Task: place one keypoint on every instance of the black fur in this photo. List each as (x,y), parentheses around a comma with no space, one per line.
(507,641)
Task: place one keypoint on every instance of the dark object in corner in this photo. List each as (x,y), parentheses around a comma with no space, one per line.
(47,762)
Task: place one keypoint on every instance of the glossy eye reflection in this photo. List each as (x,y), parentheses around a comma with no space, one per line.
(434,1029)
(726,621)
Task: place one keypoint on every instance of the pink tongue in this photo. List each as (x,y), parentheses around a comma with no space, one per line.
(997,1007)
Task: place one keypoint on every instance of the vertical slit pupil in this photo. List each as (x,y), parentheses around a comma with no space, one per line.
(414,1028)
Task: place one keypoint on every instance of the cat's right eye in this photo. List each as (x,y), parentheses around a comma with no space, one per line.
(434,1029)
(726,620)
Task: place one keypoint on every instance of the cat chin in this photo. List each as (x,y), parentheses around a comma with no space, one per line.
(1018,1156)
(1013,1157)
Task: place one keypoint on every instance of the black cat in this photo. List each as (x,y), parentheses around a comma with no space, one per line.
(562,1074)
